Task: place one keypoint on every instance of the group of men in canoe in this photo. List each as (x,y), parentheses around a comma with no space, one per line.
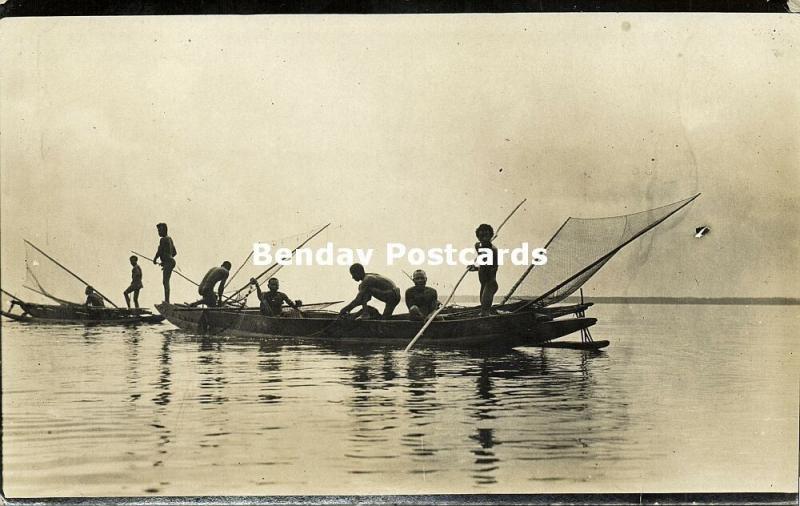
(420,299)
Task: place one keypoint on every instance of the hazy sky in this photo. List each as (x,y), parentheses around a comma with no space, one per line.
(396,128)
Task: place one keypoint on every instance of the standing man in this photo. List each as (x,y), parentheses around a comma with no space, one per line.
(166,253)
(373,285)
(206,289)
(421,300)
(136,283)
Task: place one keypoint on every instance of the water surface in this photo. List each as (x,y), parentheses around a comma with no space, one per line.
(686,398)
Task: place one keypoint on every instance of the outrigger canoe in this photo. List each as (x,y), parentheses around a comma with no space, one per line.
(77,314)
(506,330)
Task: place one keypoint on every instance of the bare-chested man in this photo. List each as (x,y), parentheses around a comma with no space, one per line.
(206,289)
(166,253)
(421,300)
(373,285)
(271,301)
(93,299)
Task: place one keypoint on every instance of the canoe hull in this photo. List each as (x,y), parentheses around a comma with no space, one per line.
(509,330)
(53,314)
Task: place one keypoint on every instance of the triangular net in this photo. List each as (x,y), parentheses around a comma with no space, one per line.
(581,247)
(52,283)
(237,287)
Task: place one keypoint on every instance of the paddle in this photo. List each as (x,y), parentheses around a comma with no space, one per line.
(439,309)
(175,271)
(69,271)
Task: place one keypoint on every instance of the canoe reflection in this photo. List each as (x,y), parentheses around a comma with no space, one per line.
(399,400)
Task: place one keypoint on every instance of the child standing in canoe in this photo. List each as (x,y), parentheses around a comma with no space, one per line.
(487,270)
(136,283)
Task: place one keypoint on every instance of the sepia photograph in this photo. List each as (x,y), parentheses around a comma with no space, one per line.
(408,256)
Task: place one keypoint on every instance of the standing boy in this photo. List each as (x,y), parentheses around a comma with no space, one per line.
(487,271)
(136,283)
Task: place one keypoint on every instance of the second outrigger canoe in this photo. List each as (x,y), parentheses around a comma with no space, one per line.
(78,314)
(507,330)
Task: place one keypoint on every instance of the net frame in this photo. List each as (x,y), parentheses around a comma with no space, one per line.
(557,293)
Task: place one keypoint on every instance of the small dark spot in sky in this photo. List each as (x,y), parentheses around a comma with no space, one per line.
(680,55)
(501,169)
(151,490)
(190,40)
(701,231)
(508,140)
(652,159)
(626,26)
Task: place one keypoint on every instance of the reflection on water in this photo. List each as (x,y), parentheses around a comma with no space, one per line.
(149,410)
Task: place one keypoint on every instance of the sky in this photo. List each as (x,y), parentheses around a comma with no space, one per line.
(411,129)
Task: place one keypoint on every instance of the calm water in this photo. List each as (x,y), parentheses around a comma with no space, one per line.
(686,398)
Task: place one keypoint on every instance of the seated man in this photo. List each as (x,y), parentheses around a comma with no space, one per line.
(206,289)
(421,300)
(372,285)
(93,298)
(272,301)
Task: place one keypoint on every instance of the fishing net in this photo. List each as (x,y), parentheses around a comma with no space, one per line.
(238,287)
(52,283)
(581,247)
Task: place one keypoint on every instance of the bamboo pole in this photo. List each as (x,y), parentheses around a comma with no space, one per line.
(449,298)
(69,271)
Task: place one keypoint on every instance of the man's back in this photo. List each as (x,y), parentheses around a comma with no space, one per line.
(377,282)
(214,275)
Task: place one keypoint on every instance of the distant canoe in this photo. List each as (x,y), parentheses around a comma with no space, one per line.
(76,314)
(504,330)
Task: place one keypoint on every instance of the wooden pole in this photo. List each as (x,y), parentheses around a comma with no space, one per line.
(69,271)
(176,272)
(276,264)
(439,309)
(239,269)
